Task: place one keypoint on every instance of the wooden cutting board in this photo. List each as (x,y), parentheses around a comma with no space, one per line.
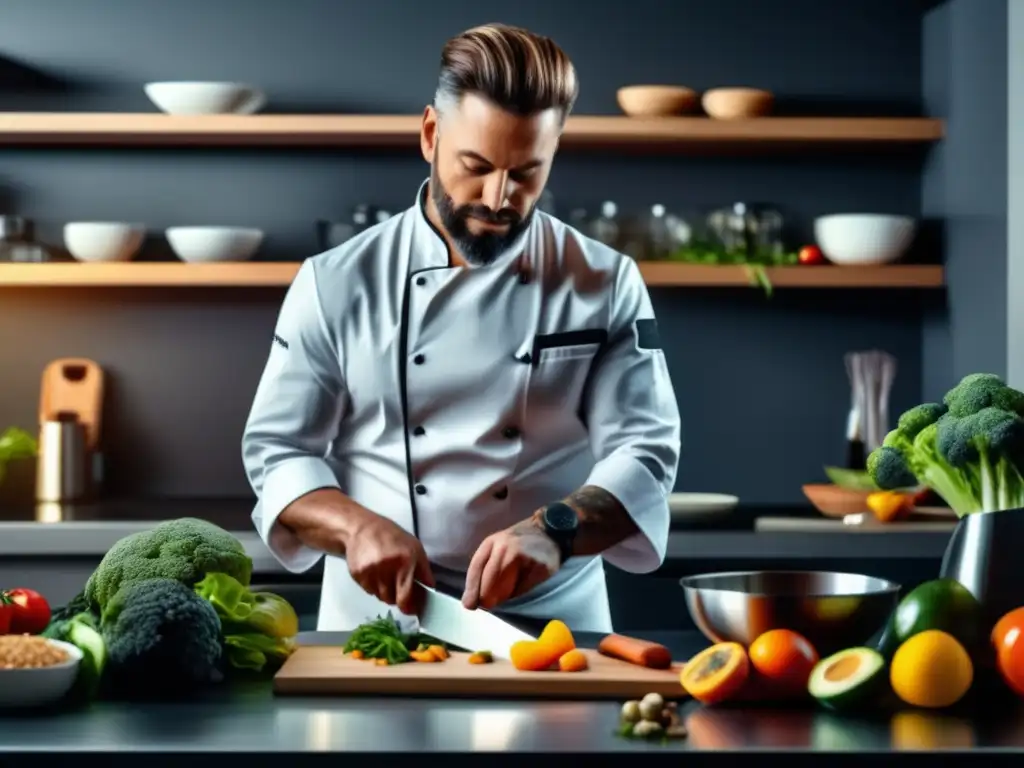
(325,670)
(815,525)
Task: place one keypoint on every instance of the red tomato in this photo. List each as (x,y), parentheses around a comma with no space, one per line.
(1008,639)
(811,254)
(30,613)
(6,609)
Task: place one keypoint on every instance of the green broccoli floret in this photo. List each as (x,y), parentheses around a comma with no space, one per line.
(969,449)
(978,391)
(889,470)
(989,446)
(162,640)
(184,550)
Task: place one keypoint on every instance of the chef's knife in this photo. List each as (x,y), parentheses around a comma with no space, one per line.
(447,619)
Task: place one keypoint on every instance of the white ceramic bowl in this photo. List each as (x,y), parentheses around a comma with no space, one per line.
(206,244)
(103,240)
(198,98)
(685,506)
(864,238)
(40,686)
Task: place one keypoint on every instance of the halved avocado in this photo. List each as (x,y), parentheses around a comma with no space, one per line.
(849,679)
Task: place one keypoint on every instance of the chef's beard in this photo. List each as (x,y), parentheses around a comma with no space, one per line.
(479,250)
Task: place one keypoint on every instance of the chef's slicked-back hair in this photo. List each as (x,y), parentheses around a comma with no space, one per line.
(519,71)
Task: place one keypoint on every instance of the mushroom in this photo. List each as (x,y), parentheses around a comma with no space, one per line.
(631,712)
(651,706)
(646,728)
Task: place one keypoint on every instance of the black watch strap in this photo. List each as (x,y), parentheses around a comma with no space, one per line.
(560,524)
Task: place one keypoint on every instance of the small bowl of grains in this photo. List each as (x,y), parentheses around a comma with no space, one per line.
(36,671)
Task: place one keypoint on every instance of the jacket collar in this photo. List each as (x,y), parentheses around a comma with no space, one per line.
(430,251)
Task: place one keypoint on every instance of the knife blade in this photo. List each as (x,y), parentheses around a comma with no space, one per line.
(447,619)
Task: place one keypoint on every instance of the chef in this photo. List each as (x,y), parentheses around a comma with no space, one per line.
(472,394)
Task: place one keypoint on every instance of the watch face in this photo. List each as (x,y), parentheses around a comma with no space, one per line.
(561,517)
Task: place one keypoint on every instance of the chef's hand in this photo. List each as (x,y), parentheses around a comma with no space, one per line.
(508,564)
(386,561)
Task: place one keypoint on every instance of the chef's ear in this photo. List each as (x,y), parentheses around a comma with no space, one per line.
(428,133)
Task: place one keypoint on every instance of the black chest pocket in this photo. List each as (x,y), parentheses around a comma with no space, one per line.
(561,364)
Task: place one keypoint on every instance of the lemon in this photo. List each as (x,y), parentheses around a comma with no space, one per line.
(932,670)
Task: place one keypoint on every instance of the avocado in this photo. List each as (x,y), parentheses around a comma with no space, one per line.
(849,679)
(943,604)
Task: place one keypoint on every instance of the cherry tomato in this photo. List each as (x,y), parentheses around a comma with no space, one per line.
(1008,640)
(811,254)
(6,609)
(30,613)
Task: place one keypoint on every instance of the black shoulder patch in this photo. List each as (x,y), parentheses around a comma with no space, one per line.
(647,336)
(280,342)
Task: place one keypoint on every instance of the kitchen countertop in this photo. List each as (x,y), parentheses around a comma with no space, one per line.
(248,718)
(90,530)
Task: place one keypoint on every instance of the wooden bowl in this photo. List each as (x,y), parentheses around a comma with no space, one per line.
(656,100)
(737,103)
(836,502)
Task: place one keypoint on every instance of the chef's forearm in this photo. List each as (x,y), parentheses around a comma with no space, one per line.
(325,520)
(604,521)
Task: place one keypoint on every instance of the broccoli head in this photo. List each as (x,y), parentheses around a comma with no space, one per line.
(184,550)
(894,465)
(978,391)
(162,640)
(889,469)
(989,445)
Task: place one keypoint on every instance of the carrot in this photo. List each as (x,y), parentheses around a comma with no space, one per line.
(381,662)
(356,654)
(438,650)
(423,656)
(641,652)
(481,657)
(573,661)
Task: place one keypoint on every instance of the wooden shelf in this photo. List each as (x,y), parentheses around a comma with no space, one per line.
(280,274)
(402,131)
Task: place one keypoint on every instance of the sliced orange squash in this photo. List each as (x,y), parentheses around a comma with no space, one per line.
(716,674)
(535,655)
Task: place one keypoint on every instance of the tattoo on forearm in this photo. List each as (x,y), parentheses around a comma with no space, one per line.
(604,522)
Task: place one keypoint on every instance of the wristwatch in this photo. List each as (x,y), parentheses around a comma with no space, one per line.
(560,524)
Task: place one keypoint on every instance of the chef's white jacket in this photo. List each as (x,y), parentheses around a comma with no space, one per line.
(458,400)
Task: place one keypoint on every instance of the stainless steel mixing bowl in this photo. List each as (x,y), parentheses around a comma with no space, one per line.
(832,610)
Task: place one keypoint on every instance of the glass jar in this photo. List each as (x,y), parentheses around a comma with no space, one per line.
(16,243)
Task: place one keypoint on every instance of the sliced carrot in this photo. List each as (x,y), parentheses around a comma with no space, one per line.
(481,657)
(636,651)
(381,662)
(439,650)
(356,654)
(423,656)
(573,661)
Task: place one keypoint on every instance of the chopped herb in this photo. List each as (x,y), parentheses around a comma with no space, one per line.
(383,638)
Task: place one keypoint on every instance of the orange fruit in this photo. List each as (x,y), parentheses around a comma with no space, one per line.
(784,658)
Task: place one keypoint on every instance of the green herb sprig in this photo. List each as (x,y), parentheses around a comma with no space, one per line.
(383,638)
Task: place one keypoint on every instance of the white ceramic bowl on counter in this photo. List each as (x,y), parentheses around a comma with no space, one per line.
(864,238)
(103,240)
(205,98)
(210,244)
(40,686)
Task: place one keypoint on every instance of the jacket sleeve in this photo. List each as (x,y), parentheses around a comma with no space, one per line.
(294,418)
(633,420)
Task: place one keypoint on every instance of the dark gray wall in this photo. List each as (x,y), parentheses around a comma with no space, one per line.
(761,384)
(964,66)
